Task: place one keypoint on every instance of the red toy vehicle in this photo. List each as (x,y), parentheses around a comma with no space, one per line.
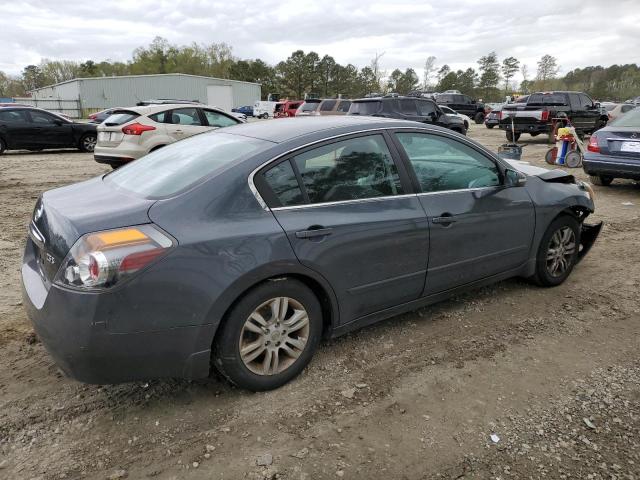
(287,108)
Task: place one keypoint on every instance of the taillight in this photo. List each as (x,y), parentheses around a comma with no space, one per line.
(593,144)
(103,259)
(92,116)
(545,115)
(136,129)
(499,115)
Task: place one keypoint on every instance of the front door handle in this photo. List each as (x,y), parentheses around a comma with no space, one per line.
(314,232)
(445,219)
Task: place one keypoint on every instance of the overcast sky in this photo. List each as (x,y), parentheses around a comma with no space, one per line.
(577,32)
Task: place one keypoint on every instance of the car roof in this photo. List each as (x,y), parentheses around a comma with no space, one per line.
(287,129)
(162,107)
(391,97)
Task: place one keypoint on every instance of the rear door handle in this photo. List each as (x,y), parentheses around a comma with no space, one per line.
(314,232)
(444,219)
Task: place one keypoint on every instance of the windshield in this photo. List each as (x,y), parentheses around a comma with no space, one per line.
(364,108)
(176,167)
(629,119)
(547,99)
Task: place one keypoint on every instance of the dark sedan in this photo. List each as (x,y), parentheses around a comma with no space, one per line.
(101,116)
(25,128)
(241,248)
(614,151)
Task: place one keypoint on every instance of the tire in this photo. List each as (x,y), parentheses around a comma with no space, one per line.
(513,137)
(601,180)
(534,134)
(88,142)
(243,325)
(3,146)
(466,125)
(573,159)
(563,231)
(490,126)
(550,156)
(479,118)
(264,116)
(601,124)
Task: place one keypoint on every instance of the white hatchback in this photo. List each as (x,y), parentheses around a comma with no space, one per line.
(131,133)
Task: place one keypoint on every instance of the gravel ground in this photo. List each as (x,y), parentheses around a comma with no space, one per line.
(509,381)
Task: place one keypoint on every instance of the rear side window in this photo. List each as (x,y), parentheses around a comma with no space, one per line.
(344,106)
(443,164)
(351,169)
(364,108)
(120,117)
(284,184)
(183,116)
(407,106)
(446,98)
(178,166)
(13,116)
(309,106)
(327,105)
(541,99)
(43,118)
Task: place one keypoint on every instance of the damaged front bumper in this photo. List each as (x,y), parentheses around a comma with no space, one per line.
(588,235)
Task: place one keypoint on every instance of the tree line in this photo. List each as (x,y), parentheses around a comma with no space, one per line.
(302,73)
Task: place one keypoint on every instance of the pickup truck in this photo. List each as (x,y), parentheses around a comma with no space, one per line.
(463,104)
(536,116)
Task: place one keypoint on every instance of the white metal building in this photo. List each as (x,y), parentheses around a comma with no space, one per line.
(97,93)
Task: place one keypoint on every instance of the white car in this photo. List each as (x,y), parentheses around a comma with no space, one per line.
(131,133)
(451,111)
(264,109)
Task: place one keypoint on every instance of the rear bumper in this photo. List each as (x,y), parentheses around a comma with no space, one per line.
(527,127)
(73,327)
(111,160)
(617,167)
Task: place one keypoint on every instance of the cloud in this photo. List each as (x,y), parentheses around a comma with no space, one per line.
(577,32)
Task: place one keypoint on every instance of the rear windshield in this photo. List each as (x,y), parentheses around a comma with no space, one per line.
(609,106)
(547,99)
(629,119)
(364,108)
(310,106)
(176,167)
(120,117)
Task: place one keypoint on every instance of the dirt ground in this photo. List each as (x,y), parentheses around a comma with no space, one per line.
(510,381)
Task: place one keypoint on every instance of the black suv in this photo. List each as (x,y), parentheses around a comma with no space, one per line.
(462,104)
(536,116)
(407,108)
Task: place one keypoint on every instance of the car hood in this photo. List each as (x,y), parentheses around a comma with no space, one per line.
(545,174)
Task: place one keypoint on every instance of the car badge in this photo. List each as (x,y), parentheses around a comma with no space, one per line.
(634,135)
(51,259)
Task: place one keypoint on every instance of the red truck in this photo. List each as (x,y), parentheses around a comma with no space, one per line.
(287,109)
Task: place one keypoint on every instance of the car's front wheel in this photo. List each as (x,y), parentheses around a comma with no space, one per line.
(602,180)
(88,142)
(558,251)
(269,336)
(479,118)
(511,137)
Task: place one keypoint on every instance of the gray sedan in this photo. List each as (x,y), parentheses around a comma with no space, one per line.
(241,248)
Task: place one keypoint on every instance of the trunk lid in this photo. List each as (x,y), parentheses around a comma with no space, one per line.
(65,214)
(621,141)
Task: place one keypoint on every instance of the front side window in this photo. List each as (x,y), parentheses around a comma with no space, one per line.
(426,108)
(365,108)
(183,116)
(217,119)
(443,164)
(585,101)
(43,118)
(352,169)
(309,106)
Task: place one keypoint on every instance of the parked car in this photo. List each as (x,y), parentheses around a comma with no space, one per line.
(166,101)
(239,249)
(246,110)
(536,116)
(462,104)
(407,108)
(614,151)
(334,106)
(30,128)
(464,118)
(287,108)
(131,133)
(309,108)
(101,116)
(614,110)
(264,109)
(493,117)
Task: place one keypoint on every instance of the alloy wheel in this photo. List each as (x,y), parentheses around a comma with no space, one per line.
(89,143)
(274,336)
(560,252)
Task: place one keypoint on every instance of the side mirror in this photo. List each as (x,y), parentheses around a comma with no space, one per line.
(513,178)
(433,116)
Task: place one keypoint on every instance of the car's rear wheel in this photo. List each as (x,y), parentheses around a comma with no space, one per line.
(269,336)
(479,118)
(88,142)
(558,251)
(511,137)
(490,126)
(3,146)
(602,180)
